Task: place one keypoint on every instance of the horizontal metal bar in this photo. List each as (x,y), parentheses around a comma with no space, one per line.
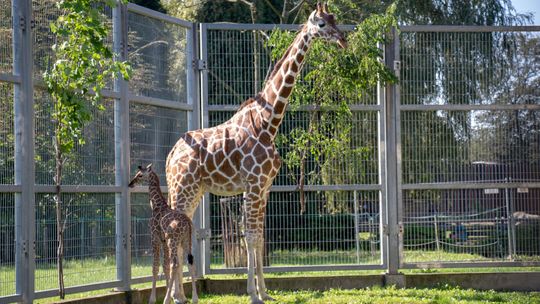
(484,107)
(158,102)
(78,188)
(354,108)
(39,83)
(470,185)
(76,289)
(423,265)
(110,94)
(300,268)
(144,189)
(11,299)
(146,279)
(134,8)
(10,188)
(263,27)
(352,187)
(468,28)
(10,78)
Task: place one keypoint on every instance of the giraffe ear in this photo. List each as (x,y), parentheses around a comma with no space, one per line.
(149,166)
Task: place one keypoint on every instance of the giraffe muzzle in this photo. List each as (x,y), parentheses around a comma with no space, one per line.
(342,43)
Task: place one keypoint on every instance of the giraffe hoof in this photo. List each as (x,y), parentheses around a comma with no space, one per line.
(256,301)
(267,298)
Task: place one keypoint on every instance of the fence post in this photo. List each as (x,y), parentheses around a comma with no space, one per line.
(391,112)
(204,207)
(121,153)
(23,107)
(195,123)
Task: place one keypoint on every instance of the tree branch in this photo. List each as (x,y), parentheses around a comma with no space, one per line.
(275,10)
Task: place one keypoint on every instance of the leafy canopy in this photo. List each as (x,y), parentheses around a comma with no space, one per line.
(334,80)
(83,67)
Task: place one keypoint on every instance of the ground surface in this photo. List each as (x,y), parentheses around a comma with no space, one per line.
(381,295)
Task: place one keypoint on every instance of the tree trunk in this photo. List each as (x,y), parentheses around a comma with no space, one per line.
(59,221)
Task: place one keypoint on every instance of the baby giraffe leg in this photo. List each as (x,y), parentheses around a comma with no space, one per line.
(178,284)
(155,271)
(173,270)
(194,296)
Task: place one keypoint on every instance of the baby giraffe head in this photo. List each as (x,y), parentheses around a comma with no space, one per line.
(322,24)
(141,175)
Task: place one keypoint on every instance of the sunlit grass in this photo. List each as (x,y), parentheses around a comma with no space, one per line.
(88,271)
(386,295)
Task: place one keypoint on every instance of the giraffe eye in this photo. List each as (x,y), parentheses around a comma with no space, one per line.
(321,24)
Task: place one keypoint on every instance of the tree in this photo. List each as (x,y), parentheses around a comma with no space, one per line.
(83,66)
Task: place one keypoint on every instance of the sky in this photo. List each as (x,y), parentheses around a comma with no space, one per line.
(532,6)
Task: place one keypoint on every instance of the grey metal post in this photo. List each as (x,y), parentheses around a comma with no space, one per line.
(121,154)
(391,111)
(381,130)
(510,223)
(356,228)
(23,103)
(204,207)
(195,123)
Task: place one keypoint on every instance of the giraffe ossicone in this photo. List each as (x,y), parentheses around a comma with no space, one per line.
(171,231)
(239,155)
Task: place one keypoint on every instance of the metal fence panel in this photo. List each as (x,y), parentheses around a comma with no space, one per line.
(7,244)
(89,240)
(347,235)
(158,54)
(92,163)
(237,62)
(7,149)
(470,138)
(6,38)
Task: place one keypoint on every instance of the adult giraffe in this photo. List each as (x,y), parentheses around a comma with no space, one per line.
(239,156)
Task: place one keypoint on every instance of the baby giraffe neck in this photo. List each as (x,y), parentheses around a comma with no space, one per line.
(158,200)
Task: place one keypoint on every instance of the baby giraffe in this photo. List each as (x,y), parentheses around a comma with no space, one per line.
(170,227)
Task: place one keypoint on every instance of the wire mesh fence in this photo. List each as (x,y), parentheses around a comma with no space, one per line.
(338,228)
(473,170)
(89,239)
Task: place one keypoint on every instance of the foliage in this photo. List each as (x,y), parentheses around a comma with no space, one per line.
(84,64)
(455,12)
(335,80)
(83,67)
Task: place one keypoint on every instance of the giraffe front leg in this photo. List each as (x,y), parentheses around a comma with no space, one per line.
(251,289)
(261,286)
(255,206)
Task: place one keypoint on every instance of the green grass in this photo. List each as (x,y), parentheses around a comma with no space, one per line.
(81,272)
(385,295)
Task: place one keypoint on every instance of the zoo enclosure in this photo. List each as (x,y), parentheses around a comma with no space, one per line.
(450,179)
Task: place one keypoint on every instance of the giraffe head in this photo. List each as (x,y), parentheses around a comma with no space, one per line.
(141,175)
(322,23)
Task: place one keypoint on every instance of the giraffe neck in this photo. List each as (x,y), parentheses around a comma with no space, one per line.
(156,196)
(281,81)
